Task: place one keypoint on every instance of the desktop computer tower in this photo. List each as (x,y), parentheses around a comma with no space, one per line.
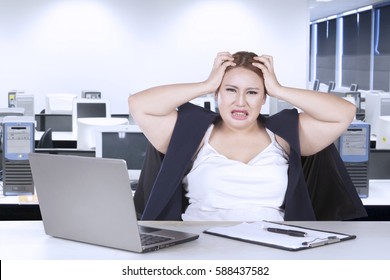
(17,142)
(91,94)
(377,104)
(354,148)
(12,99)
(26,101)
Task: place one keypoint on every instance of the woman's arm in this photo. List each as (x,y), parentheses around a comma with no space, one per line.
(325,116)
(154,109)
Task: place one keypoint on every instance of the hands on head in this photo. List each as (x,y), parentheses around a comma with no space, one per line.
(225,60)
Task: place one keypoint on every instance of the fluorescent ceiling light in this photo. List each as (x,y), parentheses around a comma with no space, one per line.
(364,8)
(331,17)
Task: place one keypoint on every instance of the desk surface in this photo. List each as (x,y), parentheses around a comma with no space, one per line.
(27,240)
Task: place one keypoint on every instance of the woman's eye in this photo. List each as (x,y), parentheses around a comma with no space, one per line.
(252,92)
(230,89)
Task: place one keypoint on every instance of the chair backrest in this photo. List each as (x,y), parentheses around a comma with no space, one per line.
(46,140)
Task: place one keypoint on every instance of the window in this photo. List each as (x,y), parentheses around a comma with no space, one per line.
(353,48)
(381,75)
(356,49)
(312,54)
(326,51)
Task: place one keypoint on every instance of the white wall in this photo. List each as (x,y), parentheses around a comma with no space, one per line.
(119,47)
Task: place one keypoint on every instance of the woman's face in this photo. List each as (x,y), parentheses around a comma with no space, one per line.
(240,97)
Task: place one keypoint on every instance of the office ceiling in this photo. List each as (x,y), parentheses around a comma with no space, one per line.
(324,8)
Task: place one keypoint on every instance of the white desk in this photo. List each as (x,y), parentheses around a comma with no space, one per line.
(27,240)
(378,193)
(58,135)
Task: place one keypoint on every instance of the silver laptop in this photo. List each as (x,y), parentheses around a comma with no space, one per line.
(89,199)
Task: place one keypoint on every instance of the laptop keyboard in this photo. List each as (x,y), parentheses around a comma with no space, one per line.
(149,239)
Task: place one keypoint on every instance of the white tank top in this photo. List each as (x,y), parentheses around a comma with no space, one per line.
(219,188)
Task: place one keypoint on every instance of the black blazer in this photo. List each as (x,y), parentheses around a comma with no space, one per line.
(319,187)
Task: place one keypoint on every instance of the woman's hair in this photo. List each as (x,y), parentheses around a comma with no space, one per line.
(245,59)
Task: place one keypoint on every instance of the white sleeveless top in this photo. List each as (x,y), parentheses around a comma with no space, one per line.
(220,189)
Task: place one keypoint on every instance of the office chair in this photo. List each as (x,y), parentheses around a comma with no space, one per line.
(46,140)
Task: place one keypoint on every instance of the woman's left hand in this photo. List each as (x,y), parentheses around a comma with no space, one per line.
(266,65)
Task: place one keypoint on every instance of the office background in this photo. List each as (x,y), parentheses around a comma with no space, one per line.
(122,46)
(353,47)
(119,47)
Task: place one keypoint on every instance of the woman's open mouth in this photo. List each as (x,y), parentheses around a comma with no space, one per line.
(239,114)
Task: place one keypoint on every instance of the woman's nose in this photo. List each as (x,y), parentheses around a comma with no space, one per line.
(240,99)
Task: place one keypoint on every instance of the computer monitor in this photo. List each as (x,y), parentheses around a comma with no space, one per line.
(124,142)
(4,112)
(87,128)
(57,122)
(12,99)
(89,108)
(379,164)
(8,112)
(377,105)
(59,103)
(316,85)
(356,98)
(25,101)
(383,134)
(354,87)
(331,86)
(91,94)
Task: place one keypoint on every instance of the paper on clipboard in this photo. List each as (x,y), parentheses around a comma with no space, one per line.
(255,232)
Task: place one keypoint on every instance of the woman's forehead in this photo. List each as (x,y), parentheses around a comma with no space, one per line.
(241,76)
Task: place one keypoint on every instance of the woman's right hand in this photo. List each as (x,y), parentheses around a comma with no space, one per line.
(221,62)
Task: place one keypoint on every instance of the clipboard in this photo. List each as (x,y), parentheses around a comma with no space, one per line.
(257,233)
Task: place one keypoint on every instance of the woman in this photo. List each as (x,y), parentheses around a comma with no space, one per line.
(240,166)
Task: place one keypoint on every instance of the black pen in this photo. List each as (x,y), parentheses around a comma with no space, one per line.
(287,231)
